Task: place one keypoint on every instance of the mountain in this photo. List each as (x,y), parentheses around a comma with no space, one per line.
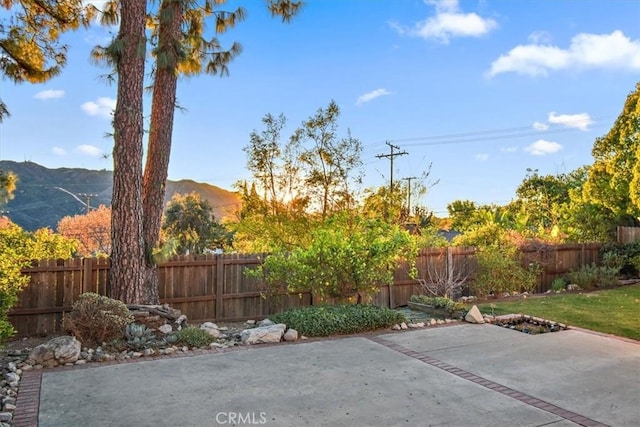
(44,196)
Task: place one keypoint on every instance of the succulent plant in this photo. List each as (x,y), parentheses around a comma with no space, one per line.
(138,336)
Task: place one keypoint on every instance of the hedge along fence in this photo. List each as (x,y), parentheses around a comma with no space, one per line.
(215,288)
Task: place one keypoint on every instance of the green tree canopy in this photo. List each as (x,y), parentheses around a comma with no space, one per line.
(190,222)
(614,178)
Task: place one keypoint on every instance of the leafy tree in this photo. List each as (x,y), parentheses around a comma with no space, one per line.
(17,249)
(30,46)
(348,257)
(180,46)
(381,203)
(328,164)
(189,220)
(614,177)
(462,214)
(91,230)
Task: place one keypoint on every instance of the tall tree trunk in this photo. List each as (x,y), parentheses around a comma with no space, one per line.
(160,134)
(127,254)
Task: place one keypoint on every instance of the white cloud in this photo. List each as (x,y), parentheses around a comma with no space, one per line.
(59,151)
(88,150)
(509,149)
(482,157)
(538,37)
(102,107)
(448,22)
(542,147)
(613,50)
(540,126)
(369,96)
(49,94)
(580,121)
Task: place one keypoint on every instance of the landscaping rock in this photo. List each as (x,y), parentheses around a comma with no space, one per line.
(474,315)
(291,335)
(396,327)
(403,326)
(58,351)
(265,322)
(211,328)
(263,334)
(165,329)
(573,287)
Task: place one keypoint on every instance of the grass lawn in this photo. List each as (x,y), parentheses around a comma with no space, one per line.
(612,311)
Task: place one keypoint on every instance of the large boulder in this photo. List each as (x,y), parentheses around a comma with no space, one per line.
(474,315)
(58,351)
(263,334)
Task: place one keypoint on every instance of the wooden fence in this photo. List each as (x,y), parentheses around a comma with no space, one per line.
(216,288)
(628,234)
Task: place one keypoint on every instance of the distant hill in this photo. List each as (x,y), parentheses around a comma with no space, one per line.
(44,196)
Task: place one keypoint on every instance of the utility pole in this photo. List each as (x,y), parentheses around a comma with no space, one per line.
(409,193)
(391,156)
(88,197)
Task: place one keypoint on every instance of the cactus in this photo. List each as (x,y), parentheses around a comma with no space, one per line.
(138,336)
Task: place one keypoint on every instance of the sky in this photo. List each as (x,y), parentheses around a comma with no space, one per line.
(479,90)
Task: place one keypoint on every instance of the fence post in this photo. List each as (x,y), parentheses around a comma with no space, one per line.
(219,286)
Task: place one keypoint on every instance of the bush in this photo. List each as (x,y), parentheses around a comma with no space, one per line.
(95,319)
(347,257)
(558,284)
(622,256)
(593,276)
(17,249)
(499,270)
(323,320)
(194,337)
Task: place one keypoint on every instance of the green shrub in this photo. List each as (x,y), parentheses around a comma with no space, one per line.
(622,256)
(635,263)
(17,249)
(194,337)
(347,257)
(593,276)
(499,270)
(323,320)
(558,284)
(95,319)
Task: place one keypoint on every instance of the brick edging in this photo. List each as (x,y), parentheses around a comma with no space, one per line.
(491,385)
(28,400)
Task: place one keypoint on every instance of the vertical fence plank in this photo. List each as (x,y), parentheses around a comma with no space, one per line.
(220,287)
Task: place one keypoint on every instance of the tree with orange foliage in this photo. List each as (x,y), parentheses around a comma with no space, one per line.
(92,231)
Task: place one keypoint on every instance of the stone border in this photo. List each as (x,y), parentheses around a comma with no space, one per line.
(491,385)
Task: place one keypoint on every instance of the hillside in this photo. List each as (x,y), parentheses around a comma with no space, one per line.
(43,196)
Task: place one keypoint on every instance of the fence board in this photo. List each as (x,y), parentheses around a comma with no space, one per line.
(628,234)
(216,287)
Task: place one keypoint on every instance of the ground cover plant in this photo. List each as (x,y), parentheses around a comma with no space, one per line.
(612,311)
(324,320)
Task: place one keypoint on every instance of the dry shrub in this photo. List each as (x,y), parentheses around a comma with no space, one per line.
(95,319)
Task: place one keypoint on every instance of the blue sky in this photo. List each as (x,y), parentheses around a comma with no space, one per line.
(483,90)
